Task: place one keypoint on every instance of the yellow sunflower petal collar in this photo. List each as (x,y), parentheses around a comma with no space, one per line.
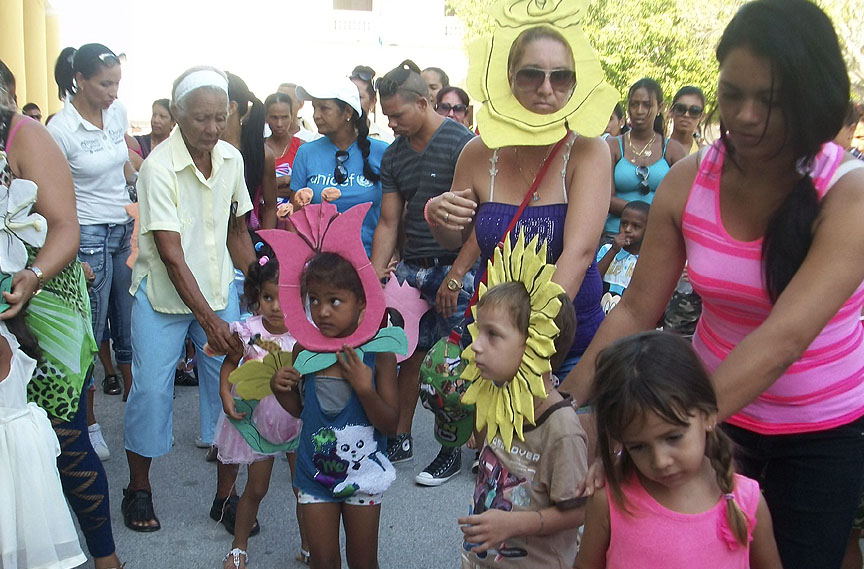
(502,120)
(504,409)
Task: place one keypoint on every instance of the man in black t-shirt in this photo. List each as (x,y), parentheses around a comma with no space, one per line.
(419,165)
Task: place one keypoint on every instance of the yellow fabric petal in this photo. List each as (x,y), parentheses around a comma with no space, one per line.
(252,380)
(502,119)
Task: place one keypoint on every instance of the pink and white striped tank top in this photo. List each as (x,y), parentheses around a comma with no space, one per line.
(822,390)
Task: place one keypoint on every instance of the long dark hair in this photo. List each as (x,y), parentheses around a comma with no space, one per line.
(84,60)
(359,122)
(658,372)
(251,131)
(653,88)
(798,40)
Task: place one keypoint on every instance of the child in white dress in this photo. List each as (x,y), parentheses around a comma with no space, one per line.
(36,530)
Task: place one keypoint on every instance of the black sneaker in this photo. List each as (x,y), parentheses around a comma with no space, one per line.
(475,464)
(185,378)
(400,449)
(111,385)
(446,465)
(225,511)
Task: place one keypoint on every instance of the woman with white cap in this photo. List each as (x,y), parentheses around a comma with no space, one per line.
(344,165)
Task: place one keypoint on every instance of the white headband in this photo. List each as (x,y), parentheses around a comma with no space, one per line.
(200,78)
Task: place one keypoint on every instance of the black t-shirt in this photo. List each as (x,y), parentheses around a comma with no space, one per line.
(418,176)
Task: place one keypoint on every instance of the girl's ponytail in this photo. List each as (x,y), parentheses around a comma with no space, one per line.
(719,450)
(64,74)
(364,145)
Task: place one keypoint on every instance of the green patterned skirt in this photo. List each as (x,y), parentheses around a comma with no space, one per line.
(59,317)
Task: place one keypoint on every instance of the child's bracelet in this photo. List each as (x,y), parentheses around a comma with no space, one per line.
(426,213)
(540,531)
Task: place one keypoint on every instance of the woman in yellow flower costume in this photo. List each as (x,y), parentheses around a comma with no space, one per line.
(540,83)
(525,498)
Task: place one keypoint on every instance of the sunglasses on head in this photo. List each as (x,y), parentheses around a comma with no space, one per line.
(531,78)
(445,108)
(680,109)
(340,173)
(642,172)
(110,60)
(362,75)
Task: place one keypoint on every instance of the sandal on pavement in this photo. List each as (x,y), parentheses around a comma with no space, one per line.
(234,555)
(137,507)
(302,556)
(225,510)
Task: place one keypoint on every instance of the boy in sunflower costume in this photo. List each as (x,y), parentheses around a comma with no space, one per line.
(526,509)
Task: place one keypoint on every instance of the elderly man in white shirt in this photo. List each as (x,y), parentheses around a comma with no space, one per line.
(193,200)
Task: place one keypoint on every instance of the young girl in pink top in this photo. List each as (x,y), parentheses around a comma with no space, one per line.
(768,221)
(259,335)
(672,497)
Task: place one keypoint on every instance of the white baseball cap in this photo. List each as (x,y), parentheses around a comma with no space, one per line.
(340,88)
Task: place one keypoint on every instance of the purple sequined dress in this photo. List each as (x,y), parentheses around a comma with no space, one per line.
(547,221)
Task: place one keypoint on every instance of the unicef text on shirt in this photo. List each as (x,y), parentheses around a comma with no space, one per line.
(326,180)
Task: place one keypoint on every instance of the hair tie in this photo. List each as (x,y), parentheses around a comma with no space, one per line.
(258,246)
(729,497)
(263,260)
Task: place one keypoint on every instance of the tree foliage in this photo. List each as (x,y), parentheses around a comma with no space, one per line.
(672,41)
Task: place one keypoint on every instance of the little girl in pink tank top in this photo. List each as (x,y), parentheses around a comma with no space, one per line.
(672,497)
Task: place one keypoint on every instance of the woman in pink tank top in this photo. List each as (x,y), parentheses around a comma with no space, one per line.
(768,220)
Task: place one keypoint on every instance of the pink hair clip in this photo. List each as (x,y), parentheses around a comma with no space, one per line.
(263,260)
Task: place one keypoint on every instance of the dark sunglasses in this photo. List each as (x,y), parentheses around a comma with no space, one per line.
(643,172)
(445,108)
(340,174)
(680,109)
(531,78)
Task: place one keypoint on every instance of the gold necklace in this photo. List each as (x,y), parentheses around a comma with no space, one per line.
(536,196)
(646,150)
(283,150)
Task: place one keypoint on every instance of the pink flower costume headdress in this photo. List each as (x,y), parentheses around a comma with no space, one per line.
(320,228)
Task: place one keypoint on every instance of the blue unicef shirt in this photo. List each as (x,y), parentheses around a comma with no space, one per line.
(314,167)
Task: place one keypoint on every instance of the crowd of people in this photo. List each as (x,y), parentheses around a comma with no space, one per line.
(634,329)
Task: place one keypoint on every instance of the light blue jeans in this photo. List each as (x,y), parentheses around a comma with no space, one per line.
(157,340)
(105,247)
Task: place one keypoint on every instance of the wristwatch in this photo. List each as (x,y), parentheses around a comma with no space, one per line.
(454,285)
(38,272)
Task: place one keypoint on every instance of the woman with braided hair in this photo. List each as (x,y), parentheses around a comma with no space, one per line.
(344,165)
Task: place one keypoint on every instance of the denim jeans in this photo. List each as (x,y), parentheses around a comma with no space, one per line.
(105,247)
(812,484)
(433,326)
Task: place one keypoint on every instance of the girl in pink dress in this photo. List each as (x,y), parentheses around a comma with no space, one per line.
(260,335)
(672,497)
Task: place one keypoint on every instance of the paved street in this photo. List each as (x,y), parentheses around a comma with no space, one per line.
(418,524)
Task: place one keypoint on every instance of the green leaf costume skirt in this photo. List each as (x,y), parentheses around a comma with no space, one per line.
(59,317)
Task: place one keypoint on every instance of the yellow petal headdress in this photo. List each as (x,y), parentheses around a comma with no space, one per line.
(504,409)
(502,120)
